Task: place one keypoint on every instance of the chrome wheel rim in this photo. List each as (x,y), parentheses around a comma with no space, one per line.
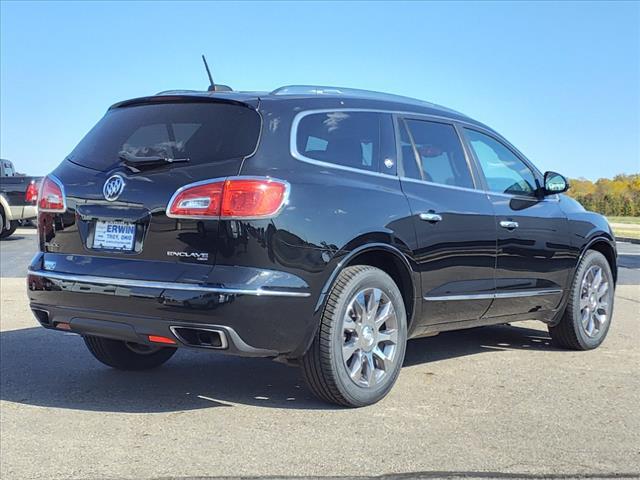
(370,337)
(595,301)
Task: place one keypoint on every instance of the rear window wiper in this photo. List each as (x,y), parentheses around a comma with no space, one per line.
(136,161)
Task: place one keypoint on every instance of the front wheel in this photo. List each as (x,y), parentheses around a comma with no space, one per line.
(586,320)
(127,355)
(358,351)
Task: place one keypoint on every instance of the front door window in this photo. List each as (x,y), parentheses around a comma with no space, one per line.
(503,170)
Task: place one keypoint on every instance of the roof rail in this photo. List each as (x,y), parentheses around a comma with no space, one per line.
(351,92)
(177,92)
(218,88)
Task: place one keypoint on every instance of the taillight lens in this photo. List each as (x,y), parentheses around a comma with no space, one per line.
(232,198)
(31,195)
(51,197)
(198,200)
(252,198)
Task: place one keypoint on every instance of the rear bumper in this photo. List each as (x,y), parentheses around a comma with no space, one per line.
(138,329)
(249,322)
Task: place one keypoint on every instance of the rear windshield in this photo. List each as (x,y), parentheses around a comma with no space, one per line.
(199,132)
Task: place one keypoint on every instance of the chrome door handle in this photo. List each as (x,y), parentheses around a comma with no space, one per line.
(509,224)
(430,217)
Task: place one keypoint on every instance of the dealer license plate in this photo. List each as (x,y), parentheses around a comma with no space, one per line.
(114,235)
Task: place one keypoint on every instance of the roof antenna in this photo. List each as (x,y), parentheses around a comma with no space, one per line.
(212,86)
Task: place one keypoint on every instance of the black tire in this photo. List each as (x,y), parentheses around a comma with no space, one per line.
(6,233)
(570,332)
(121,355)
(323,366)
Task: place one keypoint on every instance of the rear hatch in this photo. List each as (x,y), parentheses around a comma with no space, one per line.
(154,146)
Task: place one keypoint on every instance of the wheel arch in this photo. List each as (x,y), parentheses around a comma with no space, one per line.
(390,260)
(601,243)
(606,247)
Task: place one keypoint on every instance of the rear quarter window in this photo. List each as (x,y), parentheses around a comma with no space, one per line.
(360,140)
(201,132)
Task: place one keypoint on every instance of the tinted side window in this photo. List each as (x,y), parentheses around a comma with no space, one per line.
(409,162)
(352,139)
(440,153)
(504,171)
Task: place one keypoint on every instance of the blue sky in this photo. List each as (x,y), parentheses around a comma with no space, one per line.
(560,80)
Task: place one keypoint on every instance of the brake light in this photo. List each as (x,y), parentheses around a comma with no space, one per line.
(236,197)
(51,197)
(31,195)
(245,198)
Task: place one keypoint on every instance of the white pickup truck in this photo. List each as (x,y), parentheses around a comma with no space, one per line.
(18,198)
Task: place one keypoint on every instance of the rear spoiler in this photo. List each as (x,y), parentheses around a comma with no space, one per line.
(250,101)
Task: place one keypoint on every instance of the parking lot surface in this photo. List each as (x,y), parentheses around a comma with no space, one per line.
(495,401)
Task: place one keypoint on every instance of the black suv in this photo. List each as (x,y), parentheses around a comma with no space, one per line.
(318,226)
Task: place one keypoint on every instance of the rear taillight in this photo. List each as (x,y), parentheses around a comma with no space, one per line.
(236,197)
(197,200)
(31,195)
(252,198)
(51,197)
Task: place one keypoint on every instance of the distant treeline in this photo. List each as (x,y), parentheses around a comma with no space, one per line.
(617,197)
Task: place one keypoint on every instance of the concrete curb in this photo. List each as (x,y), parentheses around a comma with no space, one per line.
(628,240)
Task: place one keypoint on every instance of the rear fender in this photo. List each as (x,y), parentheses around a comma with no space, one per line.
(345,260)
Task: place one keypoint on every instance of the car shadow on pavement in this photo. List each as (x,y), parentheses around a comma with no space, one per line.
(13,238)
(475,340)
(52,369)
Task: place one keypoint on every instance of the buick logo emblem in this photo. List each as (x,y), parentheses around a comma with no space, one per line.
(113,187)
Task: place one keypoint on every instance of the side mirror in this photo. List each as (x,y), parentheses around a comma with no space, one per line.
(555,183)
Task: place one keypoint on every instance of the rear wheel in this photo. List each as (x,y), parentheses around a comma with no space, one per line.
(587,318)
(127,355)
(357,354)
(6,232)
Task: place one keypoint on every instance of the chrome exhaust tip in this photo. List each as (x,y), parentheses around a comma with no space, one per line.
(201,337)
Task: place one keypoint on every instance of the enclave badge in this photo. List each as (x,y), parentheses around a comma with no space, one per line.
(200,256)
(113,187)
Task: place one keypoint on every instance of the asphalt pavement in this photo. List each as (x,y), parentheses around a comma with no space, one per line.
(481,403)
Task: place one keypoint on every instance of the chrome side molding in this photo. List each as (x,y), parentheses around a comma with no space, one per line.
(491,296)
(124,282)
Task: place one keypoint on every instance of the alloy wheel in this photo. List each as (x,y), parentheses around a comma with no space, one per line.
(370,337)
(595,301)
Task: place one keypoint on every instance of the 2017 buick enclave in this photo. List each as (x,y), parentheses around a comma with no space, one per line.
(318,226)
